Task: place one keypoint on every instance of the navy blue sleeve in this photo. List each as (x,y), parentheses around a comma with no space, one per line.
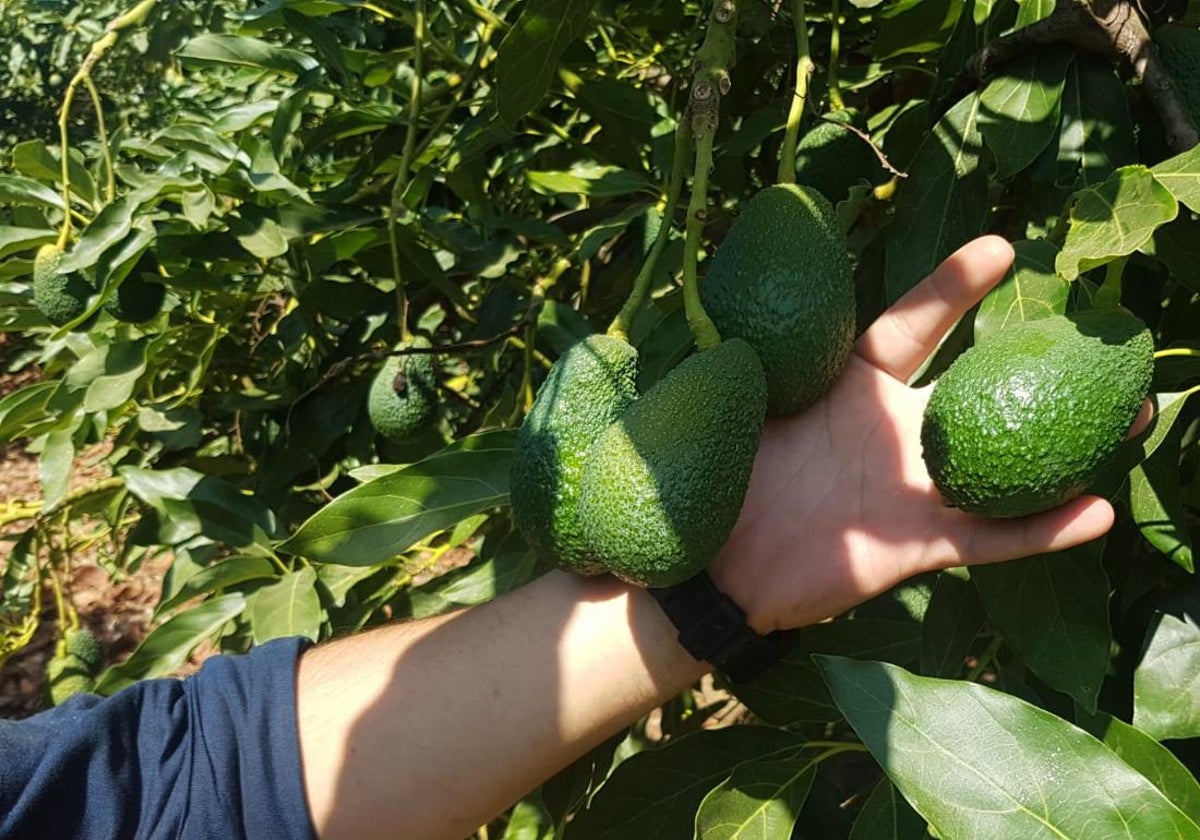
(215,755)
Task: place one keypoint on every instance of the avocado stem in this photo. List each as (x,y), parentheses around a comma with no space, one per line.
(704,331)
(804,70)
(835,51)
(1178,351)
(641,286)
(396,206)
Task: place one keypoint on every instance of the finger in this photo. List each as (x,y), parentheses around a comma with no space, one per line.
(1142,421)
(904,336)
(973,540)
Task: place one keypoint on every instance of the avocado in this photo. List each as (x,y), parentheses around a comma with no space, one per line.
(60,297)
(66,676)
(1024,421)
(663,486)
(831,159)
(403,398)
(782,280)
(136,300)
(585,392)
(1179,49)
(84,646)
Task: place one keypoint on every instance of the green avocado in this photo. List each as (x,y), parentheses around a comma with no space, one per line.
(782,280)
(663,486)
(831,159)
(84,646)
(585,393)
(136,300)
(60,297)
(1179,49)
(1026,420)
(403,399)
(66,676)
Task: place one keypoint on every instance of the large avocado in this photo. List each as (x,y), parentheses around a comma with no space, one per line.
(136,300)
(60,297)
(782,280)
(586,391)
(1024,421)
(403,398)
(663,486)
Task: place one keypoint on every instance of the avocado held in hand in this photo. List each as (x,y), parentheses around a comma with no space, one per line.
(1025,421)
(585,393)
(663,486)
(782,280)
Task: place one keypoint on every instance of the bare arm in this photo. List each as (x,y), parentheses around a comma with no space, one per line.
(428,730)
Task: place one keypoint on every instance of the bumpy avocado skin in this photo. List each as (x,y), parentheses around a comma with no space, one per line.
(831,159)
(136,301)
(400,416)
(782,280)
(1179,49)
(664,485)
(1025,421)
(61,298)
(84,646)
(585,392)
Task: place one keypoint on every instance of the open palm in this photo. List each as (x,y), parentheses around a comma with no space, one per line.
(840,506)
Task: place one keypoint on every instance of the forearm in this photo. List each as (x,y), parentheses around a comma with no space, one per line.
(427,730)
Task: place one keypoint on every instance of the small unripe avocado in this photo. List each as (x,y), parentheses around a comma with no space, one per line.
(136,301)
(782,280)
(831,159)
(84,646)
(1025,421)
(663,486)
(66,676)
(585,393)
(403,399)
(60,297)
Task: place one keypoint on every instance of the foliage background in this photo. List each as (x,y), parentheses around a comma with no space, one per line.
(274,171)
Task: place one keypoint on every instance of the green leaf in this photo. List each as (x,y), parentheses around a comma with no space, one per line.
(1052,610)
(1181,175)
(15,189)
(979,764)
(378,520)
(1156,504)
(191,504)
(1019,109)
(915,26)
(791,690)
(110,226)
(1032,11)
(226,573)
(240,51)
(14,240)
(1097,135)
(760,799)
(22,407)
(169,645)
(116,374)
(1029,291)
(54,465)
(1113,219)
(886,816)
(952,621)
(527,59)
(1148,757)
(590,179)
(32,158)
(656,793)
(289,607)
(944,201)
(1166,684)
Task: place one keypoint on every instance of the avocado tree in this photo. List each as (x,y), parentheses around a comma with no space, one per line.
(304,266)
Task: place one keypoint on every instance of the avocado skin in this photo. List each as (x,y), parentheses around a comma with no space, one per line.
(399,417)
(136,301)
(1026,420)
(66,676)
(84,646)
(585,392)
(831,159)
(1179,49)
(782,280)
(663,486)
(61,298)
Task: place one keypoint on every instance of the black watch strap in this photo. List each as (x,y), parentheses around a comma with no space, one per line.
(713,629)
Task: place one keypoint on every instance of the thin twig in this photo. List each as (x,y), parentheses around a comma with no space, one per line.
(866,138)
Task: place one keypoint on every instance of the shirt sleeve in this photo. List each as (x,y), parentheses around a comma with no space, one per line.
(215,755)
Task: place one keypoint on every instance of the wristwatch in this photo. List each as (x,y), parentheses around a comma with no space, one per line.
(713,629)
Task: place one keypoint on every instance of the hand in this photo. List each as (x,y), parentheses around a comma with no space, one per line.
(840,506)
